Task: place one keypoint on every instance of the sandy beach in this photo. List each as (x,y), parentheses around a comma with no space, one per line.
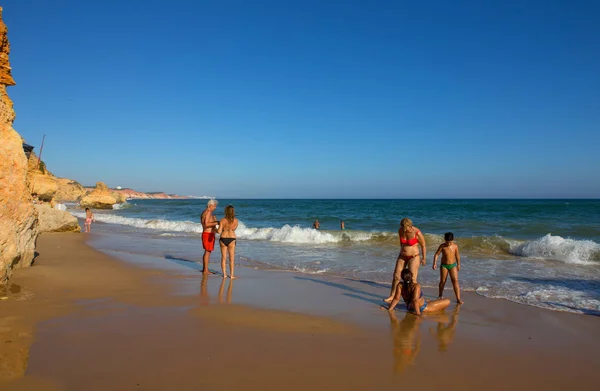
(80,319)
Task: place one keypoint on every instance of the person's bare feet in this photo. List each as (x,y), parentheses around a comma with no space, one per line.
(232,277)
(459,301)
(389,299)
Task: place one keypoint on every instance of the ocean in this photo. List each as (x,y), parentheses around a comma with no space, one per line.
(543,253)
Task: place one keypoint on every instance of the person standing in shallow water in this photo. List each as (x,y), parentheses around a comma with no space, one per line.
(342,225)
(411,239)
(227,227)
(89,217)
(316,224)
(209,226)
(450,265)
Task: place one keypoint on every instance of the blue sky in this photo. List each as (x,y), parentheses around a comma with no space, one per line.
(316,99)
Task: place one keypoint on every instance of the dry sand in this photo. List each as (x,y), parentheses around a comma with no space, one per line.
(81,320)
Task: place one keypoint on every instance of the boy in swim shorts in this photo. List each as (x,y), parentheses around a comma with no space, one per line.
(450,264)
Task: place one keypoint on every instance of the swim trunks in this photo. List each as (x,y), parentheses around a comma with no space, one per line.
(208,241)
(449,266)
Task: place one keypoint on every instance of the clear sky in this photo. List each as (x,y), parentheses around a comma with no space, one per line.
(313,99)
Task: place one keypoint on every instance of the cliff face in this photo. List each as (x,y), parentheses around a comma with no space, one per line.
(42,183)
(54,220)
(100,198)
(18,218)
(133,194)
(68,190)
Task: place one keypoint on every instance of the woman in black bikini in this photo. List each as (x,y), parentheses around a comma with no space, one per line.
(227,227)
(411,239)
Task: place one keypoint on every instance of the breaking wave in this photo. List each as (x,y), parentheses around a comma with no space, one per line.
(549,247)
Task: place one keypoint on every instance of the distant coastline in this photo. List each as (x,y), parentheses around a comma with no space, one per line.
(154,195)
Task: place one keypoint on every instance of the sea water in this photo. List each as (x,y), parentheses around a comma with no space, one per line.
(544,253)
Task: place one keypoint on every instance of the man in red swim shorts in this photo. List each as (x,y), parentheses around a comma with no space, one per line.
(209,226)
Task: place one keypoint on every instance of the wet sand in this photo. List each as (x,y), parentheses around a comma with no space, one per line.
(82,320)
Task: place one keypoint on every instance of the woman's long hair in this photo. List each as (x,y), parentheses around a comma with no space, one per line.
(407,279)
(229,213)
(406,224)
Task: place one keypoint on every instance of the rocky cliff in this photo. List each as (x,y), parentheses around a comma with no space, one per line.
(68,190)
(99,198)
(54,220)
(134,194)
(43,184)
(18,218)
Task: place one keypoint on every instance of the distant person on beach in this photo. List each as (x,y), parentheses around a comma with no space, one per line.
(342,226)
(450,264)
(227,227)
(316,224)
(411,239)
(209,227)
(89,217)
(412,295)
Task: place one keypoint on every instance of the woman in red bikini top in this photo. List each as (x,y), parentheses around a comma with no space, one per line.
(411,239)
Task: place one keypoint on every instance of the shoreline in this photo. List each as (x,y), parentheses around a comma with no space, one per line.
(81,319)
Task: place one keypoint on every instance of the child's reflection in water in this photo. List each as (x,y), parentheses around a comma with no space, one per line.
(407,337)
(446,328)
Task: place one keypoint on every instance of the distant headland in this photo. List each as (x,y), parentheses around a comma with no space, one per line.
(131,194)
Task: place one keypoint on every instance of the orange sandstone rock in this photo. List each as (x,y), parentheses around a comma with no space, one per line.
(68,190)
(100,198)
(18,218)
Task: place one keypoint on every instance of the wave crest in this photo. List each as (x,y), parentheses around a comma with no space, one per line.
(297,234)
(583,252)
(163,225)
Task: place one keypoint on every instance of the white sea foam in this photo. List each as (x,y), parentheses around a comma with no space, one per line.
(121,206)
(309,271)
(60,207)
(299,235)
(285,234)
(583,252)
(163,225)
(558,298)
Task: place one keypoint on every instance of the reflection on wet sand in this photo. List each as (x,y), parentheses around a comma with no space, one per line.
(229,290)
(7,290)
(407,339)
(223,297)
(204,296)
(446,329)
(16,336)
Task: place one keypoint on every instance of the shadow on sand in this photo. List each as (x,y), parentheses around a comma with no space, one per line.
(339,286)
(371,283)
(197,266)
